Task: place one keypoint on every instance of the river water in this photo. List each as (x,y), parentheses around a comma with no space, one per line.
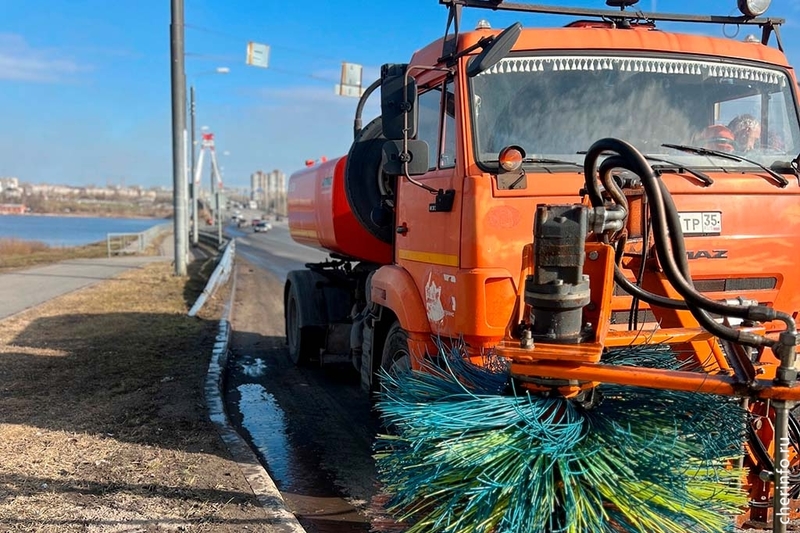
(70,231)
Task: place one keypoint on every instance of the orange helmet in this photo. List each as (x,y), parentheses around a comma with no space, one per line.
(718,137)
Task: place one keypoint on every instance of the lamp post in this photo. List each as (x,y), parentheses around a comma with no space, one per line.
(219,211)
(219,172)
(194,184)
(178,79)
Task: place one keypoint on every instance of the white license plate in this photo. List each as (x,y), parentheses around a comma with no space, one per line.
(701,222)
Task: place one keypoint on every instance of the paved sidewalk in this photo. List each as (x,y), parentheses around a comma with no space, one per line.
(23,289)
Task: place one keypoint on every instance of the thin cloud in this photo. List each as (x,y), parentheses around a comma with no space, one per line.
(19,61)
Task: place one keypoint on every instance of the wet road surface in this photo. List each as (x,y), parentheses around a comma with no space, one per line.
(274,251)
(312,427)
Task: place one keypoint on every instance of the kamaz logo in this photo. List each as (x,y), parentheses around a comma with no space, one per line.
(707,254)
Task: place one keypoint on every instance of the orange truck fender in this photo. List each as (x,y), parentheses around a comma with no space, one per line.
(393,288)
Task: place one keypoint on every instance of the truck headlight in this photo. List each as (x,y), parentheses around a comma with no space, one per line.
(753,8)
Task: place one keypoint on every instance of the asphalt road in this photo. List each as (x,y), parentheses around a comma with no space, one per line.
(23,289)
(312,427)
(273,251)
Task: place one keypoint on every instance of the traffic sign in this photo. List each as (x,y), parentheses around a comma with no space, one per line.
(258,54)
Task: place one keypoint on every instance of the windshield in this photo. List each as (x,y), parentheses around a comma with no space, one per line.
(557,105)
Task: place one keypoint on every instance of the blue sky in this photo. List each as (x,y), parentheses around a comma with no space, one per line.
(85,84)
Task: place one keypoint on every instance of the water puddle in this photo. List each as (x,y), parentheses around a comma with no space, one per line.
(305,488)
(253,369)
(266,423)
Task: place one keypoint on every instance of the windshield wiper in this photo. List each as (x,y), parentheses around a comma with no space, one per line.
(704,178)
(545,161)
(782,182)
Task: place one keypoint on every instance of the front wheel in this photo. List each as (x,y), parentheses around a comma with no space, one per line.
(302,344)
(396,357)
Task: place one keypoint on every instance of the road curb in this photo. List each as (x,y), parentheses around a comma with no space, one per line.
(278,515)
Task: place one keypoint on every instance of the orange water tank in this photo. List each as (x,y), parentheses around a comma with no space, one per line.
(320,215)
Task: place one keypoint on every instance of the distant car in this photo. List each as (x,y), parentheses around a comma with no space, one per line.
(262,225)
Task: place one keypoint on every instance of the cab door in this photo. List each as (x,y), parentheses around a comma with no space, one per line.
(427,243)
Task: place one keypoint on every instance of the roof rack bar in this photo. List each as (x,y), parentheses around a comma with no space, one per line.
(500,5)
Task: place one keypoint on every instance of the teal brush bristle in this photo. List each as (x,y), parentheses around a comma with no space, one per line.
(470,454)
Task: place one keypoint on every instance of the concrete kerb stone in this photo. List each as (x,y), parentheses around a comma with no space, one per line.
(278,515)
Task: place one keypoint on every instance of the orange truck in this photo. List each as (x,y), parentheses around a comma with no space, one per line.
(550,193)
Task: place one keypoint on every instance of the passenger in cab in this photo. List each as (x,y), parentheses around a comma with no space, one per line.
(746,130)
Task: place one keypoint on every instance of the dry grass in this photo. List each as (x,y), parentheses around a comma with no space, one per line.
(103,426)
(15,253)
(19,247)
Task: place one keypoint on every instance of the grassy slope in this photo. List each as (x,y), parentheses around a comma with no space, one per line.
(103,426)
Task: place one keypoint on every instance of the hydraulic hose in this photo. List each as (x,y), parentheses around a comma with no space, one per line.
(759,312)
(609,164)
(357,123)
(666,228)
(671,252)
(645,296)
(595,197)
(665,255)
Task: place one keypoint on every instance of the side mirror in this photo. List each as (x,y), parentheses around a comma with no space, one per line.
(394,157)
(398,101)
(494,51)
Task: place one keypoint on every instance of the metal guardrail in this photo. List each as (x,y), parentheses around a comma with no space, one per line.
(210,236)
(134,243)
(218,277)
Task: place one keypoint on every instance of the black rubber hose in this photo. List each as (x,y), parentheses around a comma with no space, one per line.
(590,179)
(661,227)
(633,320)
(645,296)
(357,123)
(611,162)
(664,233)
(758,313)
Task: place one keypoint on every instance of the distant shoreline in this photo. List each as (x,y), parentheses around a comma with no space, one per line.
(86,215)
(73,229)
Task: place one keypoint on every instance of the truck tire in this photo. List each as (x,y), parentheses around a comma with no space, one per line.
(303,342)
(396,356)
(361,175)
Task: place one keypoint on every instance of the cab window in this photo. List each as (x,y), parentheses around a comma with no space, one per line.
(428,124)
(447,159)
(437,124)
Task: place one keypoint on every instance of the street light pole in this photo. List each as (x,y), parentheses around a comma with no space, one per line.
(215,194)
(178,77)
(193,188)
(219,221)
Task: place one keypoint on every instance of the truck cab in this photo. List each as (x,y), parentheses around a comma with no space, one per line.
(431,216)
(554,93)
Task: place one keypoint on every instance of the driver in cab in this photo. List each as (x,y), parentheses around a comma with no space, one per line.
(746,130)
(742,135)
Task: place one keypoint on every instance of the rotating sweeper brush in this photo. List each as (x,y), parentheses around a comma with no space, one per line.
(472,454)
(577,429)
